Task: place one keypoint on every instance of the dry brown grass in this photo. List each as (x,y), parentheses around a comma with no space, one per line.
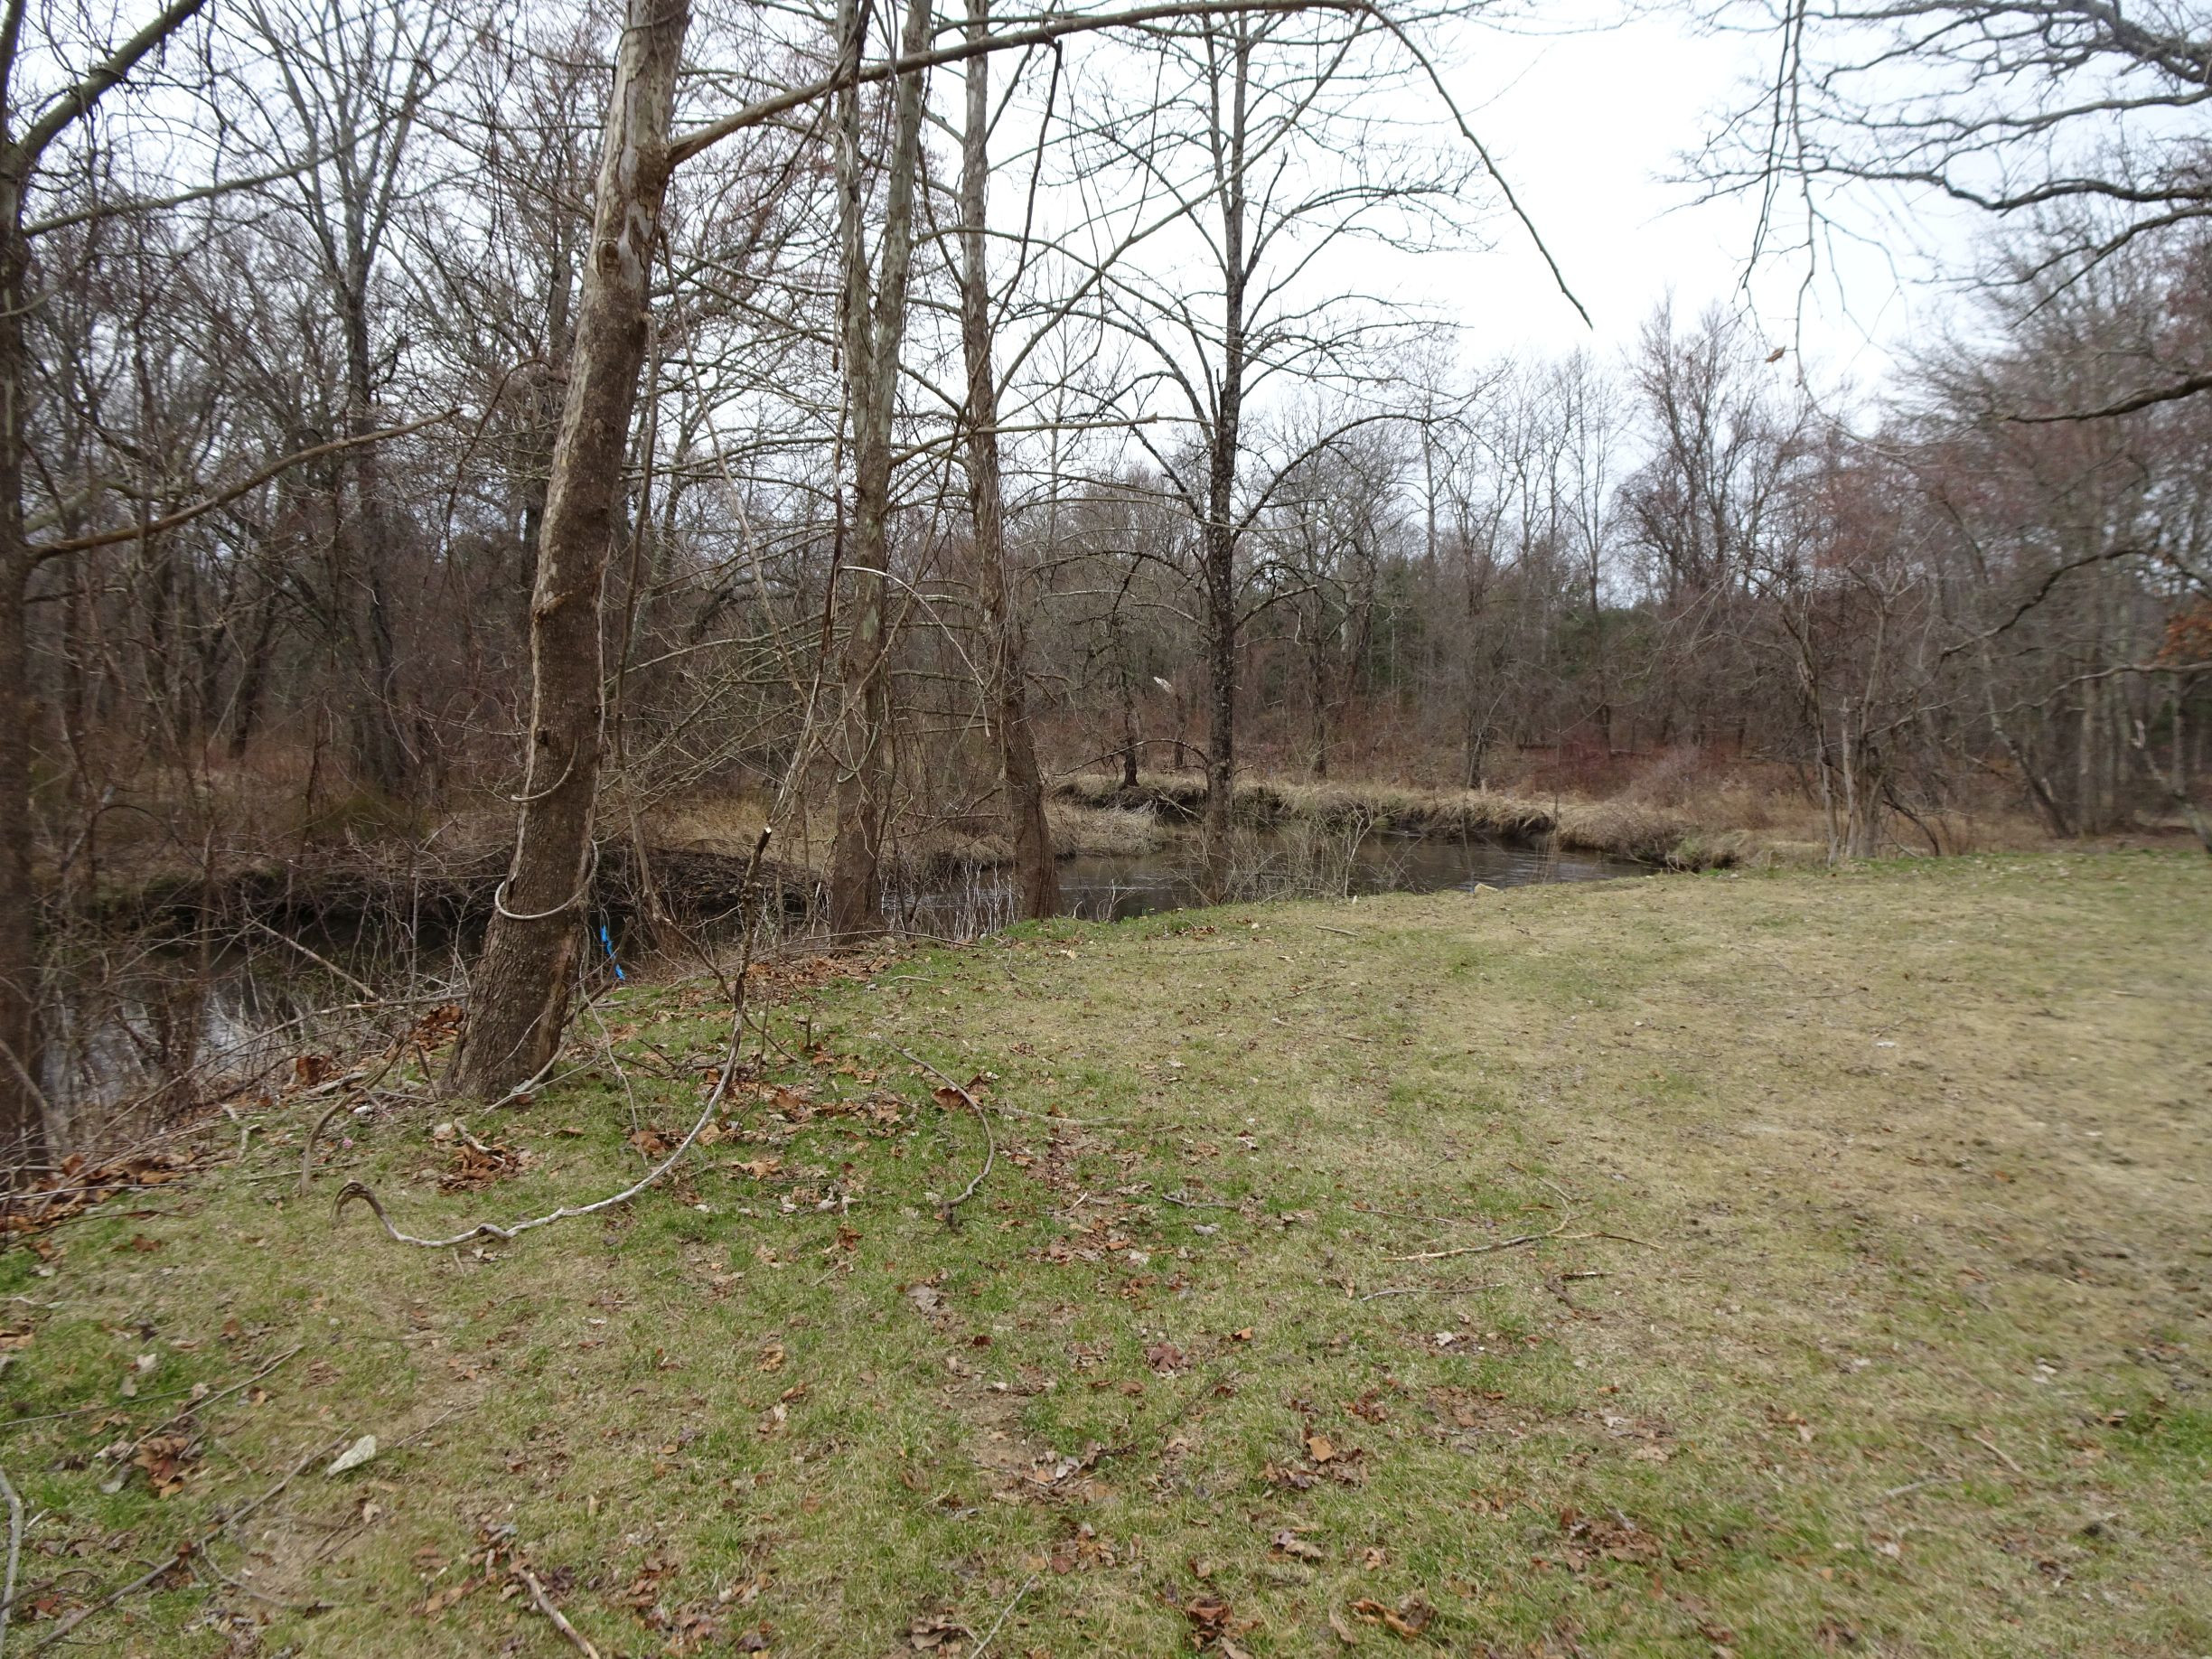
(1674,811)
(1620,829)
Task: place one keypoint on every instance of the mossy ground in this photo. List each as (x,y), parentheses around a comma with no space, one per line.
(1870,1314)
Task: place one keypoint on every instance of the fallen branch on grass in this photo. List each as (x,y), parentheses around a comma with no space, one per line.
(1482,1250)
(356,1191)
(990,1144)
(14,1554)
(184,1551)
(2003,1456)
(1182,1203)
(1005,1111)
(1008,1612)
(1433,1290)
(174,1393)
(192,1406)
(560,1619)
(1915,1485)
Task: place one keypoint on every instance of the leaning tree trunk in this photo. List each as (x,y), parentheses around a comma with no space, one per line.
(1035,873)
(519,1002)
(875,329)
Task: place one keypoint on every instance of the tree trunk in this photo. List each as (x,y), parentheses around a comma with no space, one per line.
(23,1127)
(1117,635)
(1219,541)
(1035,875)
(380,751)
(519,1002)
(875,327)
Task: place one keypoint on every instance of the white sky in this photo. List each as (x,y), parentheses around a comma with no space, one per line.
(1586,126)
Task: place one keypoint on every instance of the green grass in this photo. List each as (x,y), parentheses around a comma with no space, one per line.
(1871,1316)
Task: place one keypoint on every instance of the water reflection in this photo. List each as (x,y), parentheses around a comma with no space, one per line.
(170,1024)
(1114,889)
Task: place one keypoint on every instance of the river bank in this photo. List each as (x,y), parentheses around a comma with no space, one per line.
(1771,1262)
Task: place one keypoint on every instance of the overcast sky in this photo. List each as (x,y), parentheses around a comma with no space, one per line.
(1587,127)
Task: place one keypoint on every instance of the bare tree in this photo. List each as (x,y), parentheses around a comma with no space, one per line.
(2074,115)
(352,80)
(1274,154)
(30,127)
(1006,690)
(518,1003)
(874,323)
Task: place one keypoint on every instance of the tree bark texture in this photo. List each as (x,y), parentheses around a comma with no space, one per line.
(518,1001)
(1036,876)
(1219,537)
(875,327)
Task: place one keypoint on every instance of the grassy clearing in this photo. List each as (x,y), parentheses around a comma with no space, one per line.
(1869,1312)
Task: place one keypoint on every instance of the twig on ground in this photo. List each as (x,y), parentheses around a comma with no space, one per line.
(2002,1456)
(1004,1615)
(358,1190)
(1419,1215)
(1915,1485)
(206,1400)
(1046,1117)
(423,1433)
(1433,1290)
(307,1152)
(203,1562)
(560,1619)
(184,1551)
(621,1074)
(1482,1249)
(246,1131)
(1182,1203)
(990,1144)
(174,1393)
(1326,928)
(14,1554)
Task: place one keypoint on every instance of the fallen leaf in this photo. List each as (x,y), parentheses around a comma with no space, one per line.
(929,1633)
(1319,1448)
(1289,1543)
(928,1299)
(1209,1616)
(446,1598)
(1408,1619)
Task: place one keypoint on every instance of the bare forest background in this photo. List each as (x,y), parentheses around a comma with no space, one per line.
(905,430)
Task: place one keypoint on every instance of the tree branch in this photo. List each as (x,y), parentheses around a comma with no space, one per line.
(185,515)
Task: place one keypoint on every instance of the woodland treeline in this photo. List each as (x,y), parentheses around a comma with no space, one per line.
(876,414)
